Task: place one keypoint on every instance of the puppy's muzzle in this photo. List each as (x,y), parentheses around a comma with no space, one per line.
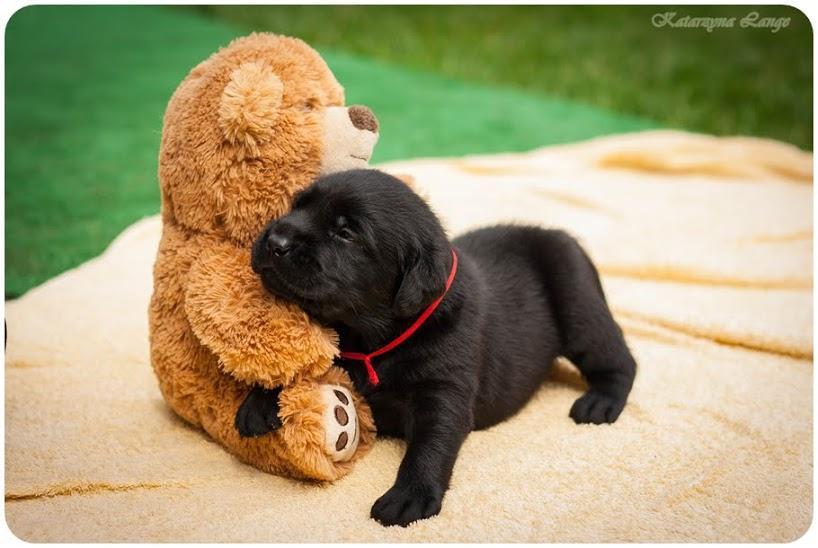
(278,244)
(275,245)
(280,240)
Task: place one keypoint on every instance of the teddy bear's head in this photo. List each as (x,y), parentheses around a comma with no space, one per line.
(248,128)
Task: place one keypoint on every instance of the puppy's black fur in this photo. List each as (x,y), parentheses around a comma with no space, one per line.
(362,253)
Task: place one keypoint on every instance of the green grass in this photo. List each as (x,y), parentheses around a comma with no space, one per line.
(84,99)
(729,81)
(86,88)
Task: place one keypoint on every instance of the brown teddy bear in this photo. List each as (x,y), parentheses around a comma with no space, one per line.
(243,132)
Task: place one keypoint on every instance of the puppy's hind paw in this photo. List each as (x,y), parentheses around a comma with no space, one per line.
(597,407)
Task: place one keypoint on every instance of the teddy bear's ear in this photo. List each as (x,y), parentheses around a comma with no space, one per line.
(249,104)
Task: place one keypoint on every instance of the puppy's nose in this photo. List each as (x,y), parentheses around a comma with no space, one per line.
(363,118)
(278,244)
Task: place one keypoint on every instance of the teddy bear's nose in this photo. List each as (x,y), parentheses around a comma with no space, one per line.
(363,118)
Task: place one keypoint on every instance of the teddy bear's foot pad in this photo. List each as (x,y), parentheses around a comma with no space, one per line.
(340,422)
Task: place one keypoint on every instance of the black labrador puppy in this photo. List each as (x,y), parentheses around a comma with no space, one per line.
(456,336)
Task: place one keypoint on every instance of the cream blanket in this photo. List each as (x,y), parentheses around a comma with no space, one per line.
(705,246)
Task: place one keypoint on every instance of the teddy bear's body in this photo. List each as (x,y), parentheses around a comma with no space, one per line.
(243,132)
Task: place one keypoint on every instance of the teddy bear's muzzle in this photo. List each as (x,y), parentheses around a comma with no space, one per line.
(350,134)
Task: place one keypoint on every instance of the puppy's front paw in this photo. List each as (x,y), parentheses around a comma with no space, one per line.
(258,414)
(597,407)
(403,505)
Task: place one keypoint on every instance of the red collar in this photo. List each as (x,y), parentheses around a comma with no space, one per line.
(367,358)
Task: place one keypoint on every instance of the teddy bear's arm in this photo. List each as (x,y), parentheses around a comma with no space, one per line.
(257,337)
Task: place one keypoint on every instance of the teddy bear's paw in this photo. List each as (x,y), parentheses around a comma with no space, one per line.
(341,428)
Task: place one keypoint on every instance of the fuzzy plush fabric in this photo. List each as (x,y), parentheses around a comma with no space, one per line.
(245,130)
(705,246)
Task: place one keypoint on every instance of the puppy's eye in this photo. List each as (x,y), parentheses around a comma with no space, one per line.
(342,231)
(345,234)
(308,106)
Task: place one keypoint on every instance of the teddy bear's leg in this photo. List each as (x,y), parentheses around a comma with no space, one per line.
(305,446)
(326,423)
(213,405)
(206,397)
(320,437)
(259,415)
(201,393)
(274,452)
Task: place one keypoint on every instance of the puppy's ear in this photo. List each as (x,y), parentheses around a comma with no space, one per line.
(423,279)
